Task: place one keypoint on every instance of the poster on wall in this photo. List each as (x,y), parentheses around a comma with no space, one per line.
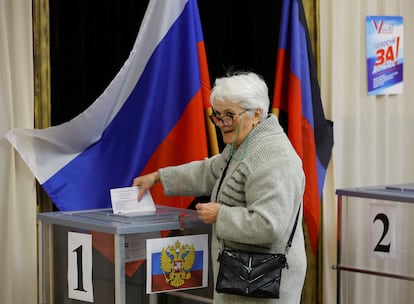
(385,57)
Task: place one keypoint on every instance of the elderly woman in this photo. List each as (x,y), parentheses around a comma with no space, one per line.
(255,185)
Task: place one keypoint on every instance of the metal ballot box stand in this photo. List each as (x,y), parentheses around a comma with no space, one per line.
(112,285)
(375,244)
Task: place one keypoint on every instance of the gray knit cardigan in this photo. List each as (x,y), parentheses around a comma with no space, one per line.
(260,196)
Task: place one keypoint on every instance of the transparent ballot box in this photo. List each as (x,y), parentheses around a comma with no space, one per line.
(96,256)
(375,244)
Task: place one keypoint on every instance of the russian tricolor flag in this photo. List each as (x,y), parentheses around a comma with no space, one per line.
(297,102)
(151,115)
(177,263)
(160,283)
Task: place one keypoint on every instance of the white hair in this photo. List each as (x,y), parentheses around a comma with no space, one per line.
(245,89)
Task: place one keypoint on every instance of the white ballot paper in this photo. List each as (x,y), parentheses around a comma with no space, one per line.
(124,200)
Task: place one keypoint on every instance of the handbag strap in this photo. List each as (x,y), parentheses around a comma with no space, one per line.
(289,243)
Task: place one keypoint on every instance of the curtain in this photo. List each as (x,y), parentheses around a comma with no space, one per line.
(18,281)
(373,134)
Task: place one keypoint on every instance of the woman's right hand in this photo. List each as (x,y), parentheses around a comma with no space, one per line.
(145,182)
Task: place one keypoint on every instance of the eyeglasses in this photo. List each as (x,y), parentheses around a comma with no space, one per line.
(226,120)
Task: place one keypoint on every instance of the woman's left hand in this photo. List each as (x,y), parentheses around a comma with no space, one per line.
(207,212)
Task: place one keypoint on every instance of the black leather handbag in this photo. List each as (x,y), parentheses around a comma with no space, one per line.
(252,274)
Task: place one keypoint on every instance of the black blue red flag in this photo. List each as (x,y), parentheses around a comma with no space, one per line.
(297,102)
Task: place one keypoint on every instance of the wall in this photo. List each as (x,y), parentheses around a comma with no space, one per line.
(374,144)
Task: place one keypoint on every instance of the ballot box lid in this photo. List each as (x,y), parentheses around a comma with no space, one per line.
(104,220)
(397,192)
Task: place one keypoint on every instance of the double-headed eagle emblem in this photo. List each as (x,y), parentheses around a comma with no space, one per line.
(176,261)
